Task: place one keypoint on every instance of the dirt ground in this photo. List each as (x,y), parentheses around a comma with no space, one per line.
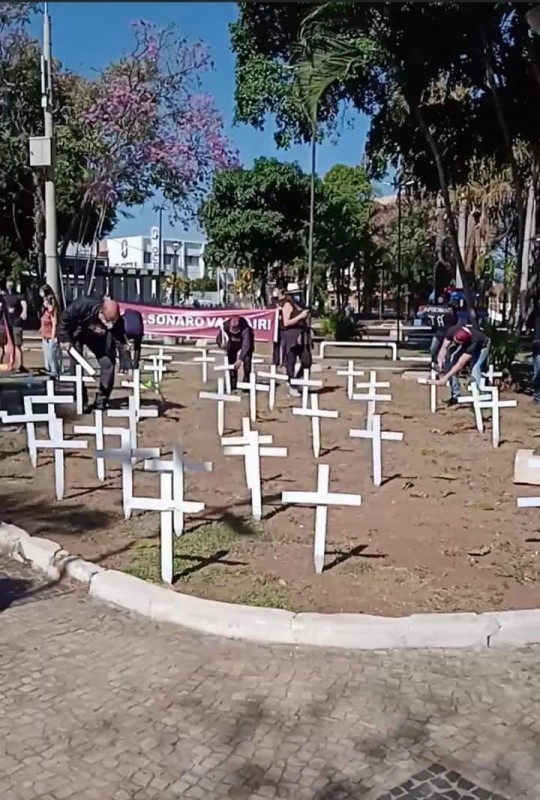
(442,534)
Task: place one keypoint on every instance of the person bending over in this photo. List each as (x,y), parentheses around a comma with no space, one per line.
(95,323)
(463,346)
(237,339)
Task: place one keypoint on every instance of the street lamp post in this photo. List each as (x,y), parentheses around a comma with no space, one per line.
(311,213)
(51,237)
(176,248)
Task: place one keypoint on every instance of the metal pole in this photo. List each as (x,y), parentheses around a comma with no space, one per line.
(311,214)
(398,303)
(160,266)
(51,236)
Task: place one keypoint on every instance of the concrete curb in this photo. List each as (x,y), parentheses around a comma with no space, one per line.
(271,625)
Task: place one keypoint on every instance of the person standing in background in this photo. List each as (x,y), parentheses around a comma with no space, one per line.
(296,333)
(17,313)
(134,330)
(50,318)
(277,350)
(533,325)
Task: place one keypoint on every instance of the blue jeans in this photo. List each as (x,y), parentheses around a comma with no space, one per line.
(478,365)
(51,356)
(536,376)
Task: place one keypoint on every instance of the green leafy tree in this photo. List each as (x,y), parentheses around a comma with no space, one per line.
(256,218)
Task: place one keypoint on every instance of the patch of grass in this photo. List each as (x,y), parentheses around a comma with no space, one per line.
(192,550)
(266,592)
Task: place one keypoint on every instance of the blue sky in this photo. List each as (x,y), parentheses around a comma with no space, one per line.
(87,36)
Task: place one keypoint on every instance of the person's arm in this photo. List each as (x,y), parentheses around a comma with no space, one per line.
(24,310)
(462,361)
(73,317)
(441,356)
(54,320)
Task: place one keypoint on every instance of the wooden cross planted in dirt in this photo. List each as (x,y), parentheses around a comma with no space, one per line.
(253,387)
(226,369)
(81,360)
(350,373)
(251,447)
(204,359)
(134,416)
(30,418)
(136,384)
(178,466)
(316,415)
(127,455)
(476,399)
(167,505)
(273,377)
(221,398)
(377,436)
(98,431)
(158,365)
(321,499)
(432,390)
(305,383)
(78,379)
(371,397)
(58,444)
(495,404)
(489,378)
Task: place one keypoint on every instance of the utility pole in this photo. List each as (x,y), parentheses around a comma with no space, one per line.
(309,293)
(51,236)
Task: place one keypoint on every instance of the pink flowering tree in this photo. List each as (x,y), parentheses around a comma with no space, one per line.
(150,126)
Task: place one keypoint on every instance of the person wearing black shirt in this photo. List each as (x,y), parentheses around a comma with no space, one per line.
(441,317)
(16,309)
(237,339)
(96,323)
(533,324)
(296,333)
(134,330)
(463,345)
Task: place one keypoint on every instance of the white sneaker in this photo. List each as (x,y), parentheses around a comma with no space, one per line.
(293,392)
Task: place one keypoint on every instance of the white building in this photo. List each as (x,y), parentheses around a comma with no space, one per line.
(141,254)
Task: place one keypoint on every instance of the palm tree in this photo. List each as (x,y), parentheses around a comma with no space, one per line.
(323,60)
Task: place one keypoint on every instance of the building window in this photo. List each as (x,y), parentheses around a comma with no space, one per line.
(192,261)
(147,257)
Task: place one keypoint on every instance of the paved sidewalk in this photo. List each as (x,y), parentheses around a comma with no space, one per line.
(96,705)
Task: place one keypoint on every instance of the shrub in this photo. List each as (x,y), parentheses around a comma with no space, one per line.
(338,327)
(503,349)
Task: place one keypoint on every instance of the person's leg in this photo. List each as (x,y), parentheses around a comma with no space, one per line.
(290,364)
(55,358)
(454,383)
(106,380)
(3,342)
(306,361)
(247,368)
(478,366)
(136,351)
(232,353)
(434,349)
(18,349)
(46,351)
(536,376)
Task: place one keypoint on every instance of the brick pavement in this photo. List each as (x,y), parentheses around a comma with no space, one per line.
(97,705)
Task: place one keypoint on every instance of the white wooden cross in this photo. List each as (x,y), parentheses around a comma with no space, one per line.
(530,502)
(305,383)
(350,373)
(81,360)
(78,379)
(226,368)
(476,398)
(273,377)
(377,436)
(98,432)
(221,397)
(432,389)
(127,455)
(489,378)
(157,365)
(316,415)
(250,447)
(178,466)
(246,430)
(50,399)
(59,445)
(167,505)
(253,387)
(371,397)
(134,416)
(135,384)
(321,499)
(495,404)
(30,418)
(203,360)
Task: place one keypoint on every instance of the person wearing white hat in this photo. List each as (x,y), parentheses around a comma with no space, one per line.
(296,333)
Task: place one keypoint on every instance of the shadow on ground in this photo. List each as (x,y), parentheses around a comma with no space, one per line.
(27,510)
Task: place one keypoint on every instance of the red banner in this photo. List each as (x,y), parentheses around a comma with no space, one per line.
(202,323)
